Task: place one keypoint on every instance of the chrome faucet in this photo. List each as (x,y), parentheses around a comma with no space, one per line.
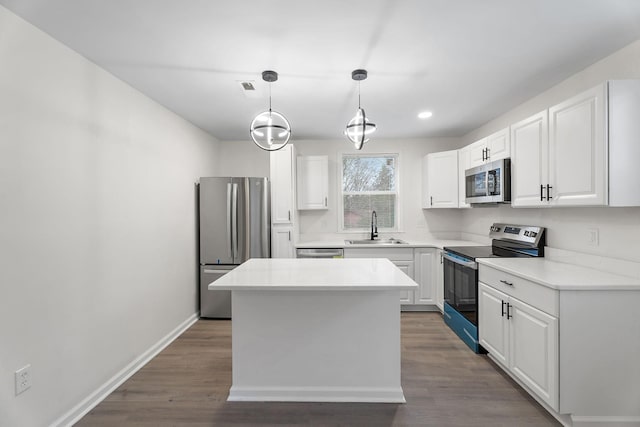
(374,225)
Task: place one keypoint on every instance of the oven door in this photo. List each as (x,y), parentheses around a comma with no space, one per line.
(461,285)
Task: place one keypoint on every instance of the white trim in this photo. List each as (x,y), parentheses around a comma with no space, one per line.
(81,409)
(605,421)
(316,394)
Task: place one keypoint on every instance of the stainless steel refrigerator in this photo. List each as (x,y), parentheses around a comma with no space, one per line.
(235,225)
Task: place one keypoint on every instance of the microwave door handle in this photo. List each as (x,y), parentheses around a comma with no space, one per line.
(486,183)
(470,264)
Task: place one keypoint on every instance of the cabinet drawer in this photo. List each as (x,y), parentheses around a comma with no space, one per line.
(395,254)
(534,294)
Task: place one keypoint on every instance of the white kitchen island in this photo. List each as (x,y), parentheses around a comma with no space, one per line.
(316,330)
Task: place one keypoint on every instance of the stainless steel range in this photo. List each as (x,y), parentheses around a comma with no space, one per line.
(461,274)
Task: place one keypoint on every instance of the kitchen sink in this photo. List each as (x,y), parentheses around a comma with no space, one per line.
(376,242)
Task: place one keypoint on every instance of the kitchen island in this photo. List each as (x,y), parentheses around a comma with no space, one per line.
(316,330)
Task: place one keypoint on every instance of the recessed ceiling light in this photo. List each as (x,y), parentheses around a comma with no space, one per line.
(425,115)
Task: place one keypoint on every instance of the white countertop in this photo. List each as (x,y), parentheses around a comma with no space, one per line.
(315,274)
(561,276)
(434,243)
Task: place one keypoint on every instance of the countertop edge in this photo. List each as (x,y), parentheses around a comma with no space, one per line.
(631,284)
(337,288)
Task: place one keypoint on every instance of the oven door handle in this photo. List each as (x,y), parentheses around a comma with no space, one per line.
(469,264)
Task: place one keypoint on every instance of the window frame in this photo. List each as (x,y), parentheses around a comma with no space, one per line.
(341,193)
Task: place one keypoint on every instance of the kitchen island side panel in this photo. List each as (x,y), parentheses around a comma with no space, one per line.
(332,346)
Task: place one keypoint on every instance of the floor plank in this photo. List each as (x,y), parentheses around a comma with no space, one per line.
(444,383)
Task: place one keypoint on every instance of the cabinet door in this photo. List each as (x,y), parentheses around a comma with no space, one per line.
(578,150)
(312,182)
(477,152)
(442,179)
(533,350)
(282,185)
(463,164)
(282,242)
(529,145)
(406,297)
(424,276)
(439,281)
(492,323)
(498,145)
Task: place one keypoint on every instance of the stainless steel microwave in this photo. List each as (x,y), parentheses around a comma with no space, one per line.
(489,183)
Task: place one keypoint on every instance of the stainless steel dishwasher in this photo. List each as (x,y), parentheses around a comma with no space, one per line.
(320,253)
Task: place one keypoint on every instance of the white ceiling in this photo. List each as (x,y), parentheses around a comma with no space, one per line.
(465,60)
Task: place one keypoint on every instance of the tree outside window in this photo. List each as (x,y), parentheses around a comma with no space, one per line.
(369,182)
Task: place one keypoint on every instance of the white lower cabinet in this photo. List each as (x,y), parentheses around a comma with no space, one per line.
(416,263)
(424,265)
(406,297)
(439,280)
(401,257)
(519,336)
(282,242)
(575,349)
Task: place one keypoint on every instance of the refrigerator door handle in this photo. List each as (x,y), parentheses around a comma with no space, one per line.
(265,221)
(229,244)
(234,217)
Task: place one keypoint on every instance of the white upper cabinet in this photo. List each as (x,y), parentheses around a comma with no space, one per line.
(464,158)
(440,180)
(559,156)
(529,145)
(282,185)
(313,182)
(578,150)
(494,147)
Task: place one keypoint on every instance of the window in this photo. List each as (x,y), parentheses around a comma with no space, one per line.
(369,183)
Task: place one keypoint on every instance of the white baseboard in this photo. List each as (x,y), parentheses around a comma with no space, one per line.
(587,421)
(316,394)
(91,401)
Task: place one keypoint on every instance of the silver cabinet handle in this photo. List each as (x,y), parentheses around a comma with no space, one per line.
(503,304)
(506,283)
(289,215)
(216,271)
(509,315)
(325,202)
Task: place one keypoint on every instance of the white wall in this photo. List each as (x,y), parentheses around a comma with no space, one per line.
(242,158)
(619,228)
(97,223)
(414,221)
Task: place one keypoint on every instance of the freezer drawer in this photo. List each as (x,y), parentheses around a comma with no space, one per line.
(214,304)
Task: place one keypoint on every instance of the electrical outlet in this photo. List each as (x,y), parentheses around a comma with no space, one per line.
(23,379)
(593,237)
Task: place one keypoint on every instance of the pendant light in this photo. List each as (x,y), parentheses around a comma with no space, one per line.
(270,130)
(359,127)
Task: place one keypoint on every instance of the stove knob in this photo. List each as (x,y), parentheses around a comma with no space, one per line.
(533,234)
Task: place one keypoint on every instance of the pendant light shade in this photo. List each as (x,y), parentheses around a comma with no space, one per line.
(270,130)
(359,127)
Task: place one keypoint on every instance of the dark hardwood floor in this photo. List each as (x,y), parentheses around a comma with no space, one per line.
(444,383)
